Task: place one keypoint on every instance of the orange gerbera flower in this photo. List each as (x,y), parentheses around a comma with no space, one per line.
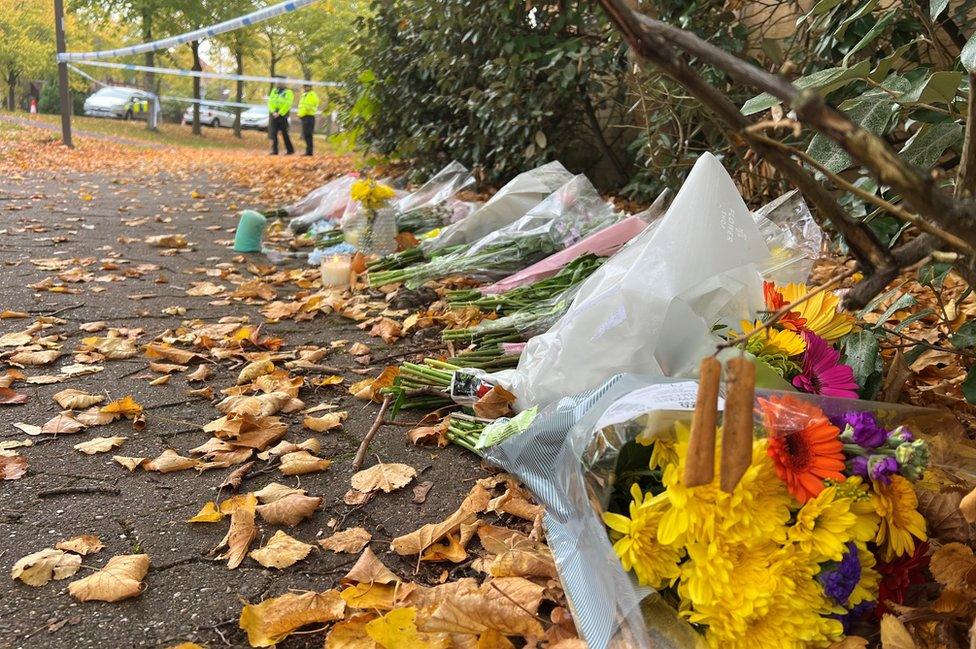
(775,301)
(805,447)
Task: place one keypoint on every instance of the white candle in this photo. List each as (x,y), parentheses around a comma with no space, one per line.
(335,271)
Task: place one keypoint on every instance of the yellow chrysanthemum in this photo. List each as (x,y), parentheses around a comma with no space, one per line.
(862,506)
(775,341)
(897,505)
(820,312)
(824,525)
(867,588)
(784,626)
(664,452)
(758,508)
(637,546)
(371,194)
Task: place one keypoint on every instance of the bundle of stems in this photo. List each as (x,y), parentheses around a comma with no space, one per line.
(422,385)
(489,357)
(524,297)
(275,213)
(465,431)
(329,238)
(400,259)
(424,219)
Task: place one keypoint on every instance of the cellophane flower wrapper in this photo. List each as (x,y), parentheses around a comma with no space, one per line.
(434,204)
(372,231)
(764,566)
(326,202)
(568,215)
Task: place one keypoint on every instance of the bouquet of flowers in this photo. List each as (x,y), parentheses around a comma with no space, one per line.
(372,227)
(800,345)
(811,543)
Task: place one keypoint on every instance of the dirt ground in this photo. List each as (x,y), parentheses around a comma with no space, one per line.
(189,595)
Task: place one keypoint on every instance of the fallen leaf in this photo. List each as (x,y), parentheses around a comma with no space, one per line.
(209,513)
(170,353)
(34,358)
(170,461)
(276,491)
(166,368)
(418,541)
(202,373)
(10,397)
(62,425)
(325,422)
(241,532)
(332,379)
(30,429)
(368,389)
(850,642)
(351,541)
(389,330)
(131,463)
(496,403)
(15,339)
(420,492)
(954,566)
(351,634)
(121,578)
(93,417)
(290,510)
(430,434)
(271,621)
(253,370)
(369,570)
(100,445)
(124,407)
(93,327)
(281,551)
(448,550)
(41,567)
(894,635)
(508,605)
(71,399)
(303,462)
(12,467)
(204,289)
(398,630)
(385,477)
(84,544)
(8,314)
(167,241)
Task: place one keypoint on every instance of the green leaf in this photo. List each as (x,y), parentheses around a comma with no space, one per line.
(924,313)
(938,87)
(872,34)
(823,7)
(826,81)
(933,274)
(873,111)
(902,302)
(969,385)
(968,55)
(888,63)
(965,336)
(862,11)
(930,141)
(862,351)
(936,7)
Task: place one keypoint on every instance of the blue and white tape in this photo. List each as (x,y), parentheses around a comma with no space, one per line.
(208,75)
(252,18)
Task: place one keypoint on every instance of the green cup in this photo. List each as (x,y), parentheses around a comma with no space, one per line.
(250,229)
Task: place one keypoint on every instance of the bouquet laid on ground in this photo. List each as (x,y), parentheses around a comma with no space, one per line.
(372,226)
(801,345)
(434,204)
(812,544)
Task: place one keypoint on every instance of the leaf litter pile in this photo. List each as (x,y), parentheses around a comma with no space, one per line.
(476,574)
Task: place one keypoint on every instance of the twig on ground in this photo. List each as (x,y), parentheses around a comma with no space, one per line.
(364,445)
(61,491)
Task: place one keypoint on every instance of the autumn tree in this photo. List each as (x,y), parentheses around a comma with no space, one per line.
(26,42)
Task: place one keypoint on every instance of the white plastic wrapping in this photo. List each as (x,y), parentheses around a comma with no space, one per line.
(793,236)
(326,202)
(447,182)
(651,307)
(511,203)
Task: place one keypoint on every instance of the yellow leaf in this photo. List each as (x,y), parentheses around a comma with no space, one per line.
(351,634)
(379,597)
(274,619)
(894,634)
(121,578)
(41,567)
(253,370)
(419,540)
(208,514)
(303,462)
(332,379)
(281,551)
(352,541)
(241,532)
(398,630)
(276,491)
(125,407)
(385,477)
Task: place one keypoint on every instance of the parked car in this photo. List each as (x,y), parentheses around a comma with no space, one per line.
(255,117)
(210,115)
(118,102)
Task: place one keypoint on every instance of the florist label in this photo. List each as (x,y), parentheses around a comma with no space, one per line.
(664,396)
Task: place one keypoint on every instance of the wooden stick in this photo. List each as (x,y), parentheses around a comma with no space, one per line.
(737,427)
(700,465)
(364,445)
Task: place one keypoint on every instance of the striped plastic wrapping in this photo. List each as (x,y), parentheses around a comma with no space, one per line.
(132,67)
(550,458)
(246,20)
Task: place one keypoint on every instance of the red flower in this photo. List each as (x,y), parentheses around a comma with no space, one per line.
(899,575)
(775,301)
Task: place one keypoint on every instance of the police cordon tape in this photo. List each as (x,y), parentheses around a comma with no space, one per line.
(252,18)
(209,75)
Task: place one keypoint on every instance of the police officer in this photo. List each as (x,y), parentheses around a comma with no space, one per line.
(279,106)
(308,107)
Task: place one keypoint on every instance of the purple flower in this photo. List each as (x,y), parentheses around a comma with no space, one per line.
(823,373)
(867,432)
(855,615)
(839,579)
(859,466)
(881,467)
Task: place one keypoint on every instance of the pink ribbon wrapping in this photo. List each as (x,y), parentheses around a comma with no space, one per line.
(603,243)
(513,348)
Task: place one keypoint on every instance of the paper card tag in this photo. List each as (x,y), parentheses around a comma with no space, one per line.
(469,385)
(500,430)
(663,396)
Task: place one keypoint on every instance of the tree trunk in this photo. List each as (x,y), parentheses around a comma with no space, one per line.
(11,91)
(239,57)
(147,32)
(272,69)
(195,46)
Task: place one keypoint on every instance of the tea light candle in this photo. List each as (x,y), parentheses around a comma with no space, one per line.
(335,271)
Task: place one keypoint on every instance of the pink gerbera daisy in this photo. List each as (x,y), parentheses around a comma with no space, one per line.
(823,373)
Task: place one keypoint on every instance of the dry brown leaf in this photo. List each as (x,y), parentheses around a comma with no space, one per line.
(34,358)
(170,353)
(303,462)
(274,619)
(284,447)
(262,405)
(93,417)
(72,399)
(233,481)
(111,347)
(430,434)
(358,349)
(241,532)
(10,397)
(325,422)
(385,477)
(331,379)
(508,606)
(84,544)
(202,373)
(350,541)
(419,540)
(204,289)
(167,241)
(15,339)
(496,403)
(369,570)
(290,510)
(93,327)
(166,368)
(276,491)
(448,550)
(100,445)
(894,635)
(954,566)
(170,461)
(420,492)
(121,578)
(368,389)
(131,463)
(12,467)
(62,425)
(255,369)
(944,517)
(281,551)
(389,330)
(30,429)
(41,567)
(850,642)
(351,634)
